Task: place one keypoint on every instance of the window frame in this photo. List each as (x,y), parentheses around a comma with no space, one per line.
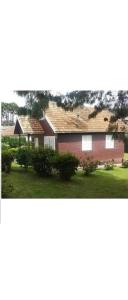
(112,140)
(47,145)
(83,142)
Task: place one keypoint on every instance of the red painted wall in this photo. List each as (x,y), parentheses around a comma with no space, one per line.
(73,143)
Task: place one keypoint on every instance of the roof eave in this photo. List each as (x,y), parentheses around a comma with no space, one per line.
(90,131)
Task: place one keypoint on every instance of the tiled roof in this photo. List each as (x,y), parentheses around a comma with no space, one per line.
(78,120)
(7,130)
(30,125)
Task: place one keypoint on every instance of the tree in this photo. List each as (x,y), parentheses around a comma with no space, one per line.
(22,110)
(35,102)
(115,101)
(8,110)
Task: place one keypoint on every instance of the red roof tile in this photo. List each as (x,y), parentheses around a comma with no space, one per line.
(30,125)
(7,130)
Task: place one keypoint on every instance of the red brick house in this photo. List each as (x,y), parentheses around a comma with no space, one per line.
(73,131)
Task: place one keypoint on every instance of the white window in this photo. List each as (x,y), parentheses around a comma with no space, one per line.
(109,141)
(36,141)
(86,142)
(49,141)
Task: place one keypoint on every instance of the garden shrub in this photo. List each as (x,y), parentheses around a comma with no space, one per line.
(109,165)
(7,159)
(125,163)
(5,146)
(13,151)
(14,142)
(7,186)
(24,157)
(66,165)
(88,165)
(42,161)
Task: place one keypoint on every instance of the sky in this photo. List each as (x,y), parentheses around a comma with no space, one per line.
(10,96)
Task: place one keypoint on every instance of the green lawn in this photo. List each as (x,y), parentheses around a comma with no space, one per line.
(102,184)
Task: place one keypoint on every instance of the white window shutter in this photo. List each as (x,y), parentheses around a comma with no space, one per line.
(86,142)
(36,142)
(109,141)
(49,141)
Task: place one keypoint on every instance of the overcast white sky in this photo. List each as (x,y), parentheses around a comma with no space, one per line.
(10,96)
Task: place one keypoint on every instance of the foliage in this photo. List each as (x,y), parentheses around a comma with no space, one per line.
(24,157)
(42,161)
(117,102)
(109,165)
(7,159)
(66,165)
(89,165)
(13,152)
(5,146)
(7,186)
(14,141)
(8,107)
(22,110)
(35,102)
(6,110)
(125,163)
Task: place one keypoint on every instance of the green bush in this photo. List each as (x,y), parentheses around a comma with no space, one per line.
(24,157)
(7,159)
(14,142)
(7,186)
(42,161)
(13,151)
(66,165)
(88,165)
(125,163)
(5,146)
(109,165)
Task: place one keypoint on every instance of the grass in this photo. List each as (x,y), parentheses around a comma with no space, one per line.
(101,184)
